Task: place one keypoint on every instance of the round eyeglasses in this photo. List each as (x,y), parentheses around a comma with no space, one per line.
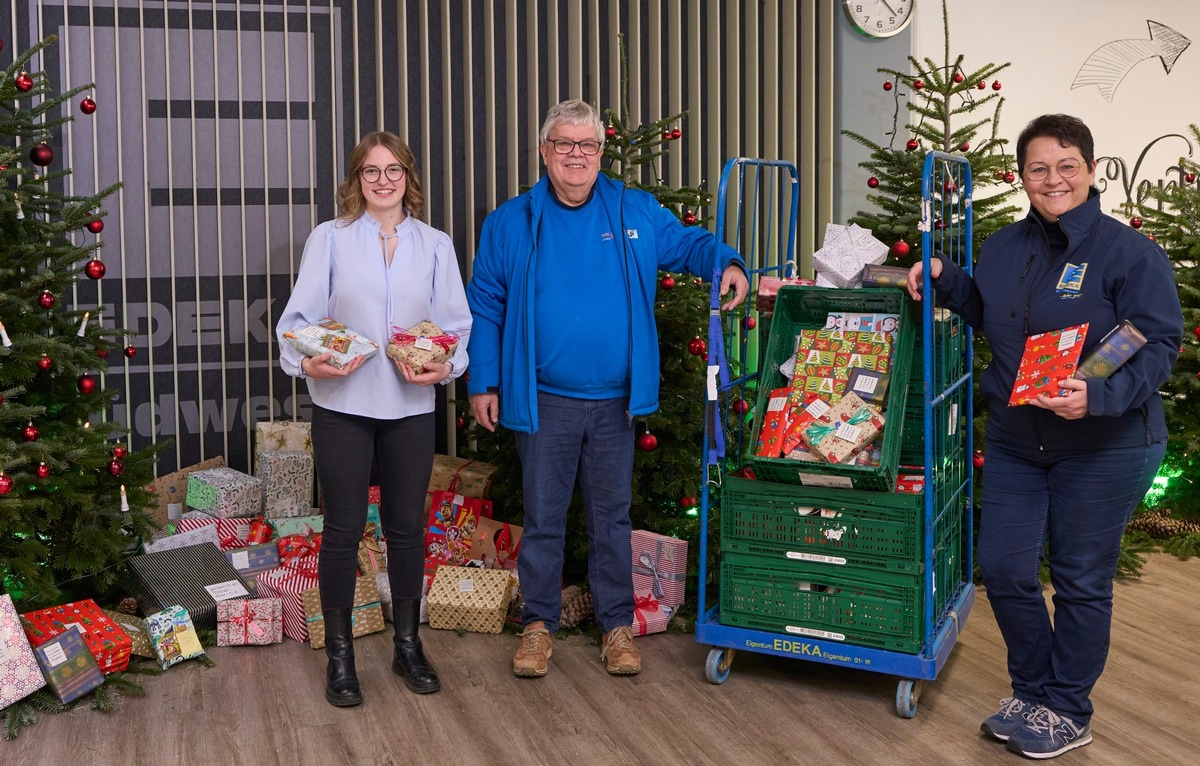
(371,174)
(565,145)
(1065,169)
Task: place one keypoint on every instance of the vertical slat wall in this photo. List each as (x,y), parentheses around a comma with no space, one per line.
(229,124)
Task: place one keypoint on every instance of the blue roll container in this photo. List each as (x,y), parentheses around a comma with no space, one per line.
(761,225)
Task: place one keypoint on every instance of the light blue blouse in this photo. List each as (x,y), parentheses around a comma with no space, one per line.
(343,275)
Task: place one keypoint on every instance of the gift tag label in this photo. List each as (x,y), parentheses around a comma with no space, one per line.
(817,408)
(240,560)
(242,532)
(777,403)
(70,625)
(953,425)
(223,591)
(710,383)
(458,499)
(802,631)
(815,558)
(866,384)
(310,331)
(55,655)
(466,586)
(847,432)
(1067,339)
(423,343)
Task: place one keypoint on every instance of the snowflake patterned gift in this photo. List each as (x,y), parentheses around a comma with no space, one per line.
(224,492)
(287,477)
(280,435)
(20,675)
(1048,358)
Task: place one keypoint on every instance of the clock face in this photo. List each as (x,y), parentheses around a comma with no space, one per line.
(879,18)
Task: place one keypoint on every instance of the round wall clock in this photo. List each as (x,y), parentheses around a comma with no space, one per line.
(879,18)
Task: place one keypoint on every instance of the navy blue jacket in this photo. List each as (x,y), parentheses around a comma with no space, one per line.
(1016,292)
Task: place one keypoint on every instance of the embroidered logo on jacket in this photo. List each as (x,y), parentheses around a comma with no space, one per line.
(631,233)
(1070,283)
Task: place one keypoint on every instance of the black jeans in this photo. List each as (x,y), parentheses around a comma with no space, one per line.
(344,447)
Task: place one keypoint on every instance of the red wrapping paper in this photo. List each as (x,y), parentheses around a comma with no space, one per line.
(107,641)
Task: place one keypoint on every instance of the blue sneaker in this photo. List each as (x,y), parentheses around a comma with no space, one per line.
(1012,715)
(1047,734)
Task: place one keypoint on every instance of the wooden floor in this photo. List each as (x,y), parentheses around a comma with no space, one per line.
(264,706)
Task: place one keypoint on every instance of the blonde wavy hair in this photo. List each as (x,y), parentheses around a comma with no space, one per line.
(350,201)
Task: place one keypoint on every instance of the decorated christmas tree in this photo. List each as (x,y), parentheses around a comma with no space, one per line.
(1171,215)
(72,494)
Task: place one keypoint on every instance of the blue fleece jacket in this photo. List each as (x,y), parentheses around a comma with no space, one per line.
(503,336)
(1019,288)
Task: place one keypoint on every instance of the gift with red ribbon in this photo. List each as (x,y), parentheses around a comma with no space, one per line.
(372,552)
(422,344)
(298,546)
(287,583)
(249,622)
(660,566)
(453,519)
(649,614)
(232,533)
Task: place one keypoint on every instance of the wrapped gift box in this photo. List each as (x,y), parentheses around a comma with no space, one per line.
(469,598)
(287,477)
(824,359)
(496,544)
(774,424)
(453,519)
(206,533)
(366,617)
(870,385)
(384,586)
(1113,350)
(878,275)
(467,477)
(20,675)
(1048,358)
(171,489)
(910,480)
(768,290)
(70,669)
(424,343)
(135,628)
(108,643)
(250,622)
(843,432)
(252,561)
(224,492)
(278,435)
(173,636)
(287,583)
(300,525)
(844,252)
(195,577)
(372,553)
(232,533)
(649,614)
(810,408)
(660,566)
(332,337)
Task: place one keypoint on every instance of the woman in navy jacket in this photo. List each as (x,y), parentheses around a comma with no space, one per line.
(1065,471)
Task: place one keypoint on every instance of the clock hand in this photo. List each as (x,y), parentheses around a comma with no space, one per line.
(889,7)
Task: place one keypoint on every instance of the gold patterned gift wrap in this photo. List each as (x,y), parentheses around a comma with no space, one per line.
(470,598)
(367,616)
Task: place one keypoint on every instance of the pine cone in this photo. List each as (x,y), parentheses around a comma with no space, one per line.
(128,605)
(1159,524)
(576,607)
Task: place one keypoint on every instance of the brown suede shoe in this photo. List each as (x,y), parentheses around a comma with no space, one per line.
(619,652)
(532,659)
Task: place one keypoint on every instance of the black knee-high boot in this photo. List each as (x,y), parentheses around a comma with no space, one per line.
(341,681)
(420,676)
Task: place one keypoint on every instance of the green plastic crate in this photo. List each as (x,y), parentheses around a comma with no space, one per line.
(876,530)
(800,308)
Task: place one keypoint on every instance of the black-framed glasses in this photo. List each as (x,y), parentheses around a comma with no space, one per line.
(1065,169)
(565,145)
(371,174)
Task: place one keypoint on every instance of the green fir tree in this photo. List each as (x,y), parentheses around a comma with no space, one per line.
(65,528)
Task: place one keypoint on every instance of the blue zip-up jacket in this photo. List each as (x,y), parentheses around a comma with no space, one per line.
(1015,293)
(503,336)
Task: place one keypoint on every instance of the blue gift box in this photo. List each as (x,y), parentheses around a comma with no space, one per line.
(69,667)
(252,561)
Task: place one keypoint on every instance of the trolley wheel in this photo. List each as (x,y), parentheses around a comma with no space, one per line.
(716,669)
(908,692)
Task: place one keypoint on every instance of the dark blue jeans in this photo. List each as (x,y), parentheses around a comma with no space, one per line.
(1078,503)
(591,439)
(344,447)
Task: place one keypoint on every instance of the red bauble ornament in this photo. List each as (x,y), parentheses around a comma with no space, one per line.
(1195,332)
(1190,178)
(95,226)
(918,84)
(977,460)
(116,467)
(900,249)
(667,282)
(687,501)
(41,155)
(911,145)
(982,84)
(610,132)
(46,300)
(996,85)
(666,135)
(750,323)
(130,352)
(741,406)
(6,484)
(1009,176)
(95,268)
(873,182)
(958,77)
(43,470)
(1,398)
(887,85)
(697,346)
(950,186)
(676,133)
(87,106)
(23,82)
(939,224)
(30,433)
(965,147)
(1135,222)
(461,423)
(119,452)
(1151,237)
(689,217)
(102,353)
(45,363)
(647,442)
(87,384)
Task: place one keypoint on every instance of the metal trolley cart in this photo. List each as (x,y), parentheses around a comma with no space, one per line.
(878,580)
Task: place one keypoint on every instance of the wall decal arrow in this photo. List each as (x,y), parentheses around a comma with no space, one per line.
(1108,64)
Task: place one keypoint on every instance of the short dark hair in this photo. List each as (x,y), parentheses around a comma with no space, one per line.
(1068,130)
